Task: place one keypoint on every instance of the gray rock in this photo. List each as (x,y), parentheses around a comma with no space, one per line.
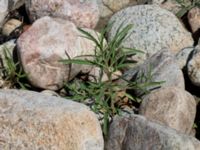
(31,121)
(137,133)
(170,106)
(161,67)
(83,13)
(183,56)
(193,66)
(3,11)
(153,29)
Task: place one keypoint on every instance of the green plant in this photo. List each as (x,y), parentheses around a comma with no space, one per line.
(109,58)
(185,7)
(12,72)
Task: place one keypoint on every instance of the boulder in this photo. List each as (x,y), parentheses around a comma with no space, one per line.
(138,133)
(194,19)
(3,11)
(84,13)
(170,106)
(161,67)
(44,44)
(183,56)
(193,66)
(153,29)
(31,120)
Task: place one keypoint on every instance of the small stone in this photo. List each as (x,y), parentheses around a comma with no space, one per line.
(194,19)
(170,106)
(183,56)
(193,66)
(10,26)
(135,132)
(33,121)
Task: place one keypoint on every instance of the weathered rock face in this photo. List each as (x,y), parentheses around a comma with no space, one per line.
(194,19)
(193,66)
(3,11)
(47,42)
(183,56)
(30,120)
(137,133)
(154,28)
(171,106)
(84,13)
(162,66)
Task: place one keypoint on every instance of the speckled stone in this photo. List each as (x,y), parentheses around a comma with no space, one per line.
(193,66)
(34,121)
(44,44)
(153,29)
(3,11)
(194,19)
(138,133)
(183,56)
(170,106)
(84,13)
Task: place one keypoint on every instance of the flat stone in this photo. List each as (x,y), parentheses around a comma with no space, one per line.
(30,120)
(138,133)
(153,29)
(170,106)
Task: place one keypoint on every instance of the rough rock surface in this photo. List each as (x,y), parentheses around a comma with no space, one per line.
(44,44)
(162,66)
(193,66)
(171,106)
(183,56)
(30,121)
(153,29)
(137,133)
(194,19)
(84,13)
(3,11)
(15,4)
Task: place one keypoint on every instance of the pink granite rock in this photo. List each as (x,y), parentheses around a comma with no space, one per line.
(84,13)
(46,42)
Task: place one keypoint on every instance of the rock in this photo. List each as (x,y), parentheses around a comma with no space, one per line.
(183,56)
(30,120)
(153,29)
(3,11)
(193,66)
(84,13)
(108,7)
(10,26)
(50,93)
(194,19)
(44,44)
(15,4)
(162,66)
(170,106)
(137,133)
